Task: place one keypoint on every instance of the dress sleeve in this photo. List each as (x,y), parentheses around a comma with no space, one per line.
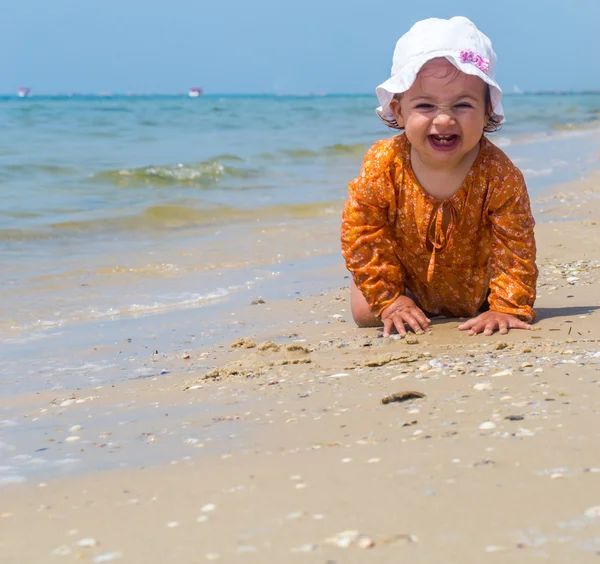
(513,269)
(367,242)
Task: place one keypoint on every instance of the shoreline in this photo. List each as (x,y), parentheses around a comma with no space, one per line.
(262,455)
(104,287)
(43,358)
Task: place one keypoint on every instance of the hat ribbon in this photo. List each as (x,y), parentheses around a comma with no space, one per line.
(468,56)
(436,237)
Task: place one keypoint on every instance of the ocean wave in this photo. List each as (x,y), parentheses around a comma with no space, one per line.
(302,211)
(169,216)
(46,169)
(173,216)
(137,310)
(20,235)
(113,109)
(152,269)
(104,134)
(590,124)
(329,151)
(299,153)
(556,131)
(19,214)
(205,173)
(342,149)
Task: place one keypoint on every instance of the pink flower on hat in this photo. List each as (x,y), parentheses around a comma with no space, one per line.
(468,56)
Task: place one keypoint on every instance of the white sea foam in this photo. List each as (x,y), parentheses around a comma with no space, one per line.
(86,367)
(31,332)
(544,137)
(12,479)
(166,303)
(8,468)
(502,141)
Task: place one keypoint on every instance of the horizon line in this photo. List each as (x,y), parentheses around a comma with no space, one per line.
(311,94)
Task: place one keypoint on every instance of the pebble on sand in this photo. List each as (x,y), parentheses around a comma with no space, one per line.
(494,548)
(592,512)
(486,425)
(305,548)
(108,556)
(87,543)
(348,539)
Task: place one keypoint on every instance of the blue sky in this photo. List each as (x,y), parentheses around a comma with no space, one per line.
(241,46)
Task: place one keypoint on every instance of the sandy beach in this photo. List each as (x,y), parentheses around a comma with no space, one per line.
(275,445)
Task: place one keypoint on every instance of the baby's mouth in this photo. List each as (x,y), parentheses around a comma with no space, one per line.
(444,142)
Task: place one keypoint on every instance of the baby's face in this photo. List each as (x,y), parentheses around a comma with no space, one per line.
(443,113)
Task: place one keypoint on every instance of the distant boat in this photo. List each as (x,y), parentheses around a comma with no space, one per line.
(23,92)
(194,92)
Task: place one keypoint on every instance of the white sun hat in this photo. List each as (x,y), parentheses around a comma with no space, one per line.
(459,41)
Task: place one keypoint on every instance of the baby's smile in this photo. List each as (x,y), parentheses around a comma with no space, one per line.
(444,142)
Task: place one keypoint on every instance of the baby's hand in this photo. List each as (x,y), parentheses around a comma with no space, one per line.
(404,310)
(490,321)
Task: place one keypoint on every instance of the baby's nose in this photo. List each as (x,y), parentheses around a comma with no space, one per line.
(443,116)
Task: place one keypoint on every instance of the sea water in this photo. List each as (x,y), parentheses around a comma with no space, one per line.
(129,217)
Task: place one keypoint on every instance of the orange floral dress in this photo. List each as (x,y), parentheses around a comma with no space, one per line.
(394,238)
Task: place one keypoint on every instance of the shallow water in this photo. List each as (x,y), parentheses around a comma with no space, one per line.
(122,209)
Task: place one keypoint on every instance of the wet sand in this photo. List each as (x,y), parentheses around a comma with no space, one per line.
(280,448)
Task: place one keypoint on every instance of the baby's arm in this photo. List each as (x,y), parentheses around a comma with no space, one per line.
(367,244)
(513,270)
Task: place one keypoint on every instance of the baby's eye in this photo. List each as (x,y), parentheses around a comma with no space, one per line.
(424,106)
(464,105)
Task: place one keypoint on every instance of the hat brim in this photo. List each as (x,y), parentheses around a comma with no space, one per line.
(400,82)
